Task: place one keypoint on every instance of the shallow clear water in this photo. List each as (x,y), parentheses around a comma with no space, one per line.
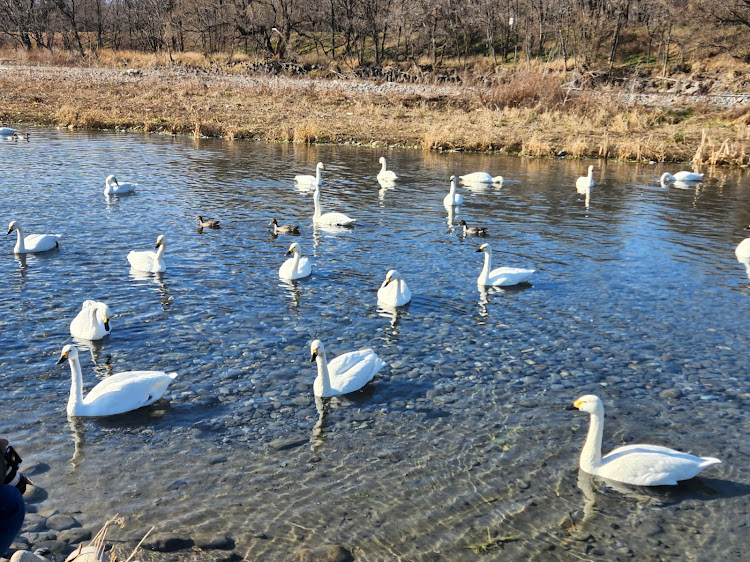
(463,435)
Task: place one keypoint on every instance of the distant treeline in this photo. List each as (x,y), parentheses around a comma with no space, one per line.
(579,32)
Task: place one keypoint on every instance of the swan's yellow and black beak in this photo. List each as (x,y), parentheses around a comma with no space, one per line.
(290,252)
(480,250)
(314,355)
(158,244)
(387,280)
(63,358)
(575,405)
(11,230)
(106,324)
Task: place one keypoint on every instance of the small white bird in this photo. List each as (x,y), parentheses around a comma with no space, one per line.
(394,290)
(481,177)
(453,199)
(344,374)
(637,465)
(501,276)
(33,243)
(586,182)
(295,267)
(113,187)
(666,177)
(386,175)
(120,393)
(152,262)
(311,181)
(329,219)
(92,322)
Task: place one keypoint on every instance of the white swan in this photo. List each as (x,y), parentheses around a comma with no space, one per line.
(7,132)
(346,373)
(743,249)
(394,290)
(666,177)
(386,175)
(92,322)
(33,243)
(481,177)
(122,392)
(113,187)
(152,262)
(585,182)
(637,465)
(308,180)
(328,219)
(501,276)
(453,199)
(295,267)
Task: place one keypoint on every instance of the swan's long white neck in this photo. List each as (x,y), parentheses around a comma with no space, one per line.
(20,246)
(591,173)
(317,175)
(591,454)
(76,385)
(382,162)
(159,257)
(323,379)
(487,264)
(94,317)
(108,186)
(316,202)
(295,263)
(453,187)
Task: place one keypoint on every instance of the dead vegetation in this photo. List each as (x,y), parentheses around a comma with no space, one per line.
(532,113)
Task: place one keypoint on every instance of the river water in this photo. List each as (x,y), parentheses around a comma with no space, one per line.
(462,441)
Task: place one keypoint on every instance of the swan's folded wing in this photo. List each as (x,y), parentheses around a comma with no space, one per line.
(651,465)
(360,366)
(130,383)
(142,261)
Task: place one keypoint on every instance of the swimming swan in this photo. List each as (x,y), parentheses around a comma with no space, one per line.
(33,243)
(152,262)
(284,228)
(295,267)
(743,249)
(481,177)
(453,199)
(92,322)
(385,175)
(122,392)
(666,177)
(637,465)
(586,182)
(308,180)
(472,230)
(394,291)
(344,374)
(502,276)
(329,219)
(113,187)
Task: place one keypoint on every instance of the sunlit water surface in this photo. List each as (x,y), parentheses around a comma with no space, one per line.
(462,439)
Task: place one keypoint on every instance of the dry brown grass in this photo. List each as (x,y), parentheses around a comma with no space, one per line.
(525,116)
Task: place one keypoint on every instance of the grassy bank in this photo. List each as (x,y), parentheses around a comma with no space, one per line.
(531,113)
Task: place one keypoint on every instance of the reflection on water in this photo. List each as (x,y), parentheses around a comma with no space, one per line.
(461,435)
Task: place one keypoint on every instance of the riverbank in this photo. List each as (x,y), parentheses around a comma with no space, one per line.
(532,115)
